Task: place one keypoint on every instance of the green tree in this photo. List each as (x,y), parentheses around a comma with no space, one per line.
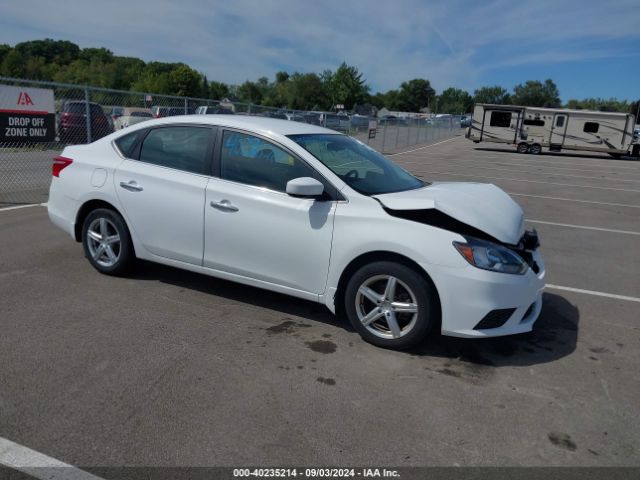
(495,95)
(184,82)
(414,95)
(305,91)
(536,94)
(347,87)
(250,92)
(96,54)
(600,104)
(282,77)
(218,90)
(634,108)
(13,64)
(455,101)
(4,49)
(61,52)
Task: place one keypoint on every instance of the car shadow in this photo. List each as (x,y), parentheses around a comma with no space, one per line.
(558,154)
(258,297)
(554,336)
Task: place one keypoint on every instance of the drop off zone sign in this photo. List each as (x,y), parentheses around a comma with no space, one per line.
(26,115)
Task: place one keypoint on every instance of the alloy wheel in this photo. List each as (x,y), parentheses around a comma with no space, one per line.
(103,241)
(386,306)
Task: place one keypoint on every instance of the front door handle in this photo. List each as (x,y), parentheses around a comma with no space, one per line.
(132,186)
(224,205)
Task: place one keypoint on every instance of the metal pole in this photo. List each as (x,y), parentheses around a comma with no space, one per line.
(384,134)
(87,111)
(186,106)
(397,131)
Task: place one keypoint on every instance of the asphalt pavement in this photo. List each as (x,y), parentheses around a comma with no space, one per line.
(171,368)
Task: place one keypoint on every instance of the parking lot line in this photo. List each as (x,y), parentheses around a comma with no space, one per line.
(536,181)
(574,200)
(584,227)
(38,465)
(549,166)
(593,292)
(566,160)
(422,148)
(17,207)
(529,161)
(480,166)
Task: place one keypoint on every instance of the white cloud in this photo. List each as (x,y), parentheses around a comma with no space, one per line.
(451,43)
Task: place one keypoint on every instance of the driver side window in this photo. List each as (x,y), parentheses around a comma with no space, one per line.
(254,161)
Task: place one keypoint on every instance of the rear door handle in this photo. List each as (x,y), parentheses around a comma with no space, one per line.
(224,205)
(132,186)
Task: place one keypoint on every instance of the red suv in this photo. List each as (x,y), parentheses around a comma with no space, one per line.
(72,122)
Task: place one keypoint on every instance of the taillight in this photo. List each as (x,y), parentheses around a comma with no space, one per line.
(60,163)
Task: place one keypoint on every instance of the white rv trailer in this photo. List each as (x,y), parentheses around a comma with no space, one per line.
(531,129)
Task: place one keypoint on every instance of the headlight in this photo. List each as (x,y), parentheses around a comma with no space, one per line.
(491,256)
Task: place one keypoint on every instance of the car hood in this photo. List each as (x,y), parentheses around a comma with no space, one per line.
(482,206)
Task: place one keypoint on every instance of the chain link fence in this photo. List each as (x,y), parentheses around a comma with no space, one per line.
(82,114)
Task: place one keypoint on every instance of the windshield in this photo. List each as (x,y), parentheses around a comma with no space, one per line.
(359,166)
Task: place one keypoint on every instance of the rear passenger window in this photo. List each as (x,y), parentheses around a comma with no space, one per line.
(126,143)
(500,119)
(182,148)
(254,161)
(591,127)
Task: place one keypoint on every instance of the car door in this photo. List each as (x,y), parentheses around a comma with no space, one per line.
(254,229)
(558,129)
(162,190)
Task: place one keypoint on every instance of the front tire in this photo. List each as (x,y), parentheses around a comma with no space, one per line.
(523,147)
(106,242)
(391,305)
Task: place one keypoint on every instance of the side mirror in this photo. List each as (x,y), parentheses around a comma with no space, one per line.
(305,187)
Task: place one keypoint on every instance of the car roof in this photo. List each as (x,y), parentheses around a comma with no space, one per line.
(264,125)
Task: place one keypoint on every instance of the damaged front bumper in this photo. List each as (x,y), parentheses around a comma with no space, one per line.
(481,303)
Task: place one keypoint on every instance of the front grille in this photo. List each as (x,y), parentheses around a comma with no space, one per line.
(495,319)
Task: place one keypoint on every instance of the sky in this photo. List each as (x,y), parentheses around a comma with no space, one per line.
(589,48)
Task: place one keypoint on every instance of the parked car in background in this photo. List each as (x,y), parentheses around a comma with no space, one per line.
(131,116)
(465,121)
(359,122)
(295,117)
(72,122)
(213,110)
(302,210)
(115,113)
(636,133)
(312,118)
(339,123)
(280,115)
(390,119)
(162,112)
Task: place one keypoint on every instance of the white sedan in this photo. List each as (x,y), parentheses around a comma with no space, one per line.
(302,210)
(131,116)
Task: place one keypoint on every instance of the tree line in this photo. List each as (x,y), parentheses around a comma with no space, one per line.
(64,61)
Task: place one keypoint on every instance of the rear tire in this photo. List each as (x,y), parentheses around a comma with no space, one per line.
(523,147)
(107,242)
(391,305)
(535,149)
